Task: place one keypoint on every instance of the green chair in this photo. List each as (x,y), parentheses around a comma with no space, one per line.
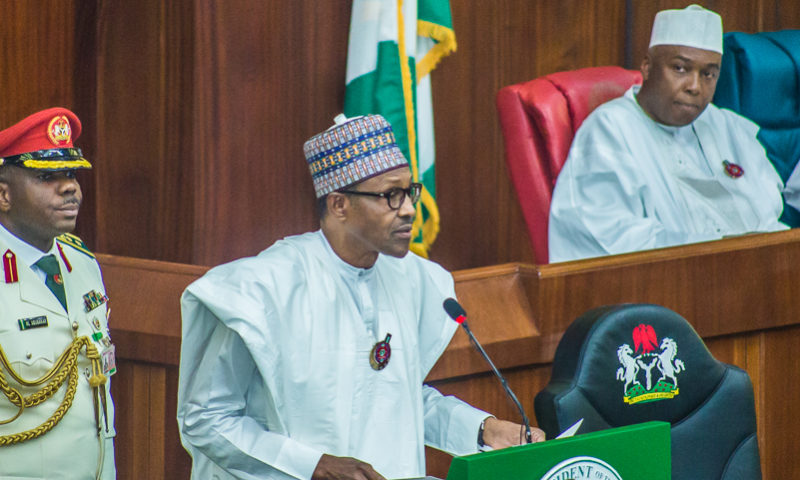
(760,79)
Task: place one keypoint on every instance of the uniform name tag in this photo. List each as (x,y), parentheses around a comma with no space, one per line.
(32,322)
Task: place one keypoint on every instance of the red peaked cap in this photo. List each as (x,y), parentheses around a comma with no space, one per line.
(43,141)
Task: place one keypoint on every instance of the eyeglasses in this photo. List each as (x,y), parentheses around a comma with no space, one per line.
(395,196)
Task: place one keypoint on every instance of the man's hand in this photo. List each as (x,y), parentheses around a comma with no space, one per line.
(502,434)
(344,468)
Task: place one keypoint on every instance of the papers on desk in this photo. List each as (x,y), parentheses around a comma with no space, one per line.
(571,430)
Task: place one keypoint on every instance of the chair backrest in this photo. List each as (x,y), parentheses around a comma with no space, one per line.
(760,79)
(539,119)
(625,364)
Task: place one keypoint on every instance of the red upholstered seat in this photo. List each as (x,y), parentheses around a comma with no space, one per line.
(539,119)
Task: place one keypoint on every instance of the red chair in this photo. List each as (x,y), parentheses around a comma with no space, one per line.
(539,118)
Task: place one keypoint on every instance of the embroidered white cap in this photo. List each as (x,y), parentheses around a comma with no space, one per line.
(693,26)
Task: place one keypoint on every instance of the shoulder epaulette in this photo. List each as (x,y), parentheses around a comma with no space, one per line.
(75,242)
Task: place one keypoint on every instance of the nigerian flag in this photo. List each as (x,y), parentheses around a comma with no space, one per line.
(394,45)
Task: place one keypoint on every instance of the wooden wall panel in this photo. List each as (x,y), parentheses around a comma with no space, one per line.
(781,14)
(177,462)
(37,54)
(85,103)
(147,443)
(144,113)
(769,359)
(778,370)
(269,75)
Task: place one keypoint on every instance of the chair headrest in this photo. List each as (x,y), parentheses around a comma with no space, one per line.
(609,351)
(558,103)
(588,88)
(760,77)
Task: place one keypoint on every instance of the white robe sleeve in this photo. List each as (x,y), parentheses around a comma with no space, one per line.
(212,415)
(601,198)
(451,424)
(792,190)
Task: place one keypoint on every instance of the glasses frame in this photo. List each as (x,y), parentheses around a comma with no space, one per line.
(413,192)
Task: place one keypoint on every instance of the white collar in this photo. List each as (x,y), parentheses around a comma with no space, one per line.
(25,252)
(345,269)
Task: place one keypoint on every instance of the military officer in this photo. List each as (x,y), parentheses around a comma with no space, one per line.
(56,412)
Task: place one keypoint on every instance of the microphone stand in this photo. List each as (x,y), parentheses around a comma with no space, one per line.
(509,392)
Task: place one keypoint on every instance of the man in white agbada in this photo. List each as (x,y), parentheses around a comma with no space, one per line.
(661,166)
(285,370)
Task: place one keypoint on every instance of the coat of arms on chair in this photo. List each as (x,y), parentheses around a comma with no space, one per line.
(638,365)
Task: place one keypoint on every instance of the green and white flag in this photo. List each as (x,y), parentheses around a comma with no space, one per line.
(394,45)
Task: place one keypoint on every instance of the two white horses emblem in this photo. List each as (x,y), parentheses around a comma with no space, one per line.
(665,361)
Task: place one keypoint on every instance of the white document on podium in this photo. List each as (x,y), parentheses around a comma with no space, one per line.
(571,430)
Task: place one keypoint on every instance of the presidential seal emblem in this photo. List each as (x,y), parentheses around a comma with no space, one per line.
(582,468)
(638,365)
(59,131)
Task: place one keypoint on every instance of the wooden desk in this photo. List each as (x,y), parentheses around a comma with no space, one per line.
(738,293)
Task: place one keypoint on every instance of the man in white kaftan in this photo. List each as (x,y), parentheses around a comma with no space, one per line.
(661,166)
(289,333)
(279,377)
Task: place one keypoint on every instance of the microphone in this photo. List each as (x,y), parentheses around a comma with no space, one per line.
(457,313)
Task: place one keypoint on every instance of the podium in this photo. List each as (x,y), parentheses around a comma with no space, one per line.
(640,451)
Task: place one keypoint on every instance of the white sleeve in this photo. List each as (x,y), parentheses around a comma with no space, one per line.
(451,424)
(213,415)
(792,190)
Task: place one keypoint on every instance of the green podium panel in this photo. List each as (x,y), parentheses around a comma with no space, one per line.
(635,452)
